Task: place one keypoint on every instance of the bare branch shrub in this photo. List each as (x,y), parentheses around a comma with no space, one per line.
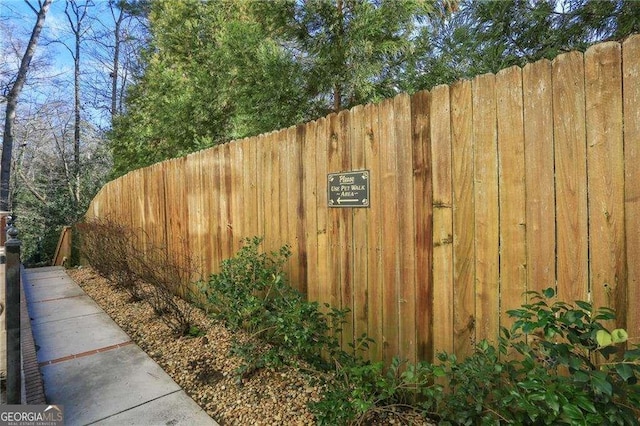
(151,275)
(168,276)
(108,247)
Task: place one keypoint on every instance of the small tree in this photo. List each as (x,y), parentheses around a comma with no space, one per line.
(12,102)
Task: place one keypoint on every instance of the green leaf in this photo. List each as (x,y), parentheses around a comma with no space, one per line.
(439,372)
(625,371)
(584,305)
(619,335)
(601,384)
(603,338)
(586,404)
(572,412)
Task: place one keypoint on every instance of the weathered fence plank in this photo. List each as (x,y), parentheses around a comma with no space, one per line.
(406,230)
(631,120)
(513,253)
(571,176)
(390,240)
(464,309)
(374,236)
(422,205)
(442,220)
(360,219)
(539,176)
(487,238)
(605,157)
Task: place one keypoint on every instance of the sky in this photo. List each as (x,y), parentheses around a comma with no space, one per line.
(56,78)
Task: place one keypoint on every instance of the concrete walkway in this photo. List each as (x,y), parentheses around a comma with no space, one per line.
(91,367)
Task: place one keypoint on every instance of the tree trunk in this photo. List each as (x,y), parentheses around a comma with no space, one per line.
(116,66)
(12,104)
(76,124)
(337,89)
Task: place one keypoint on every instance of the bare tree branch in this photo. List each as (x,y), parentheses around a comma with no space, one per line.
(12,103)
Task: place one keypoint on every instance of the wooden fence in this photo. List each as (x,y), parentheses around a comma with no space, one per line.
(479,191)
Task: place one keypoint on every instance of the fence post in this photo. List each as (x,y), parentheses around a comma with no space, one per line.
(12,314)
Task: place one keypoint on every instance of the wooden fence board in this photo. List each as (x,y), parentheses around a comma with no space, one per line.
(248,196)
(406,230)
(236,227)
(323,137)
(511,166)
(605,157)
(442,220)
(154,206)
(195,231)
(176,200)
(334,217)
(464,310)
(216,204)
(539,176)
(374,236)
(345,232)
(311,196)
(288,202)
(571,176)
(272,196)
(360,218)
(423,218)
(390,271)
(486,205)
(297,194)
(631,105)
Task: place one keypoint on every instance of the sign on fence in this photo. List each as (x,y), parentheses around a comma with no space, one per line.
(348,189)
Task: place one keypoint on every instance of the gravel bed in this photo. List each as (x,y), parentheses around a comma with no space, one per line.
(203,367)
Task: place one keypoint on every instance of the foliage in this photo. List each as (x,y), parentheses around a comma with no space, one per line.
(216,71)
(250,293)
(557,365)
(354,50)
(487,36)
(549,368)
(220,70)
(361,392)
(43,198)
(211,74)
(113,250)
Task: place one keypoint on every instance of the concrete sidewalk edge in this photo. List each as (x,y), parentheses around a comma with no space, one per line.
(32,384)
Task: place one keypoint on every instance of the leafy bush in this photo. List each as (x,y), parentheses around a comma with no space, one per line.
(362,392)
(567,370)
(557,365)
(251,293)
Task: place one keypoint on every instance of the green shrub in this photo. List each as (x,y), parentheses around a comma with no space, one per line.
(566,370)
(556,365)
(251,293)
(362,392)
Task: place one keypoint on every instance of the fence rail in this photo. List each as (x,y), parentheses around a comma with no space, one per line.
(479,191)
